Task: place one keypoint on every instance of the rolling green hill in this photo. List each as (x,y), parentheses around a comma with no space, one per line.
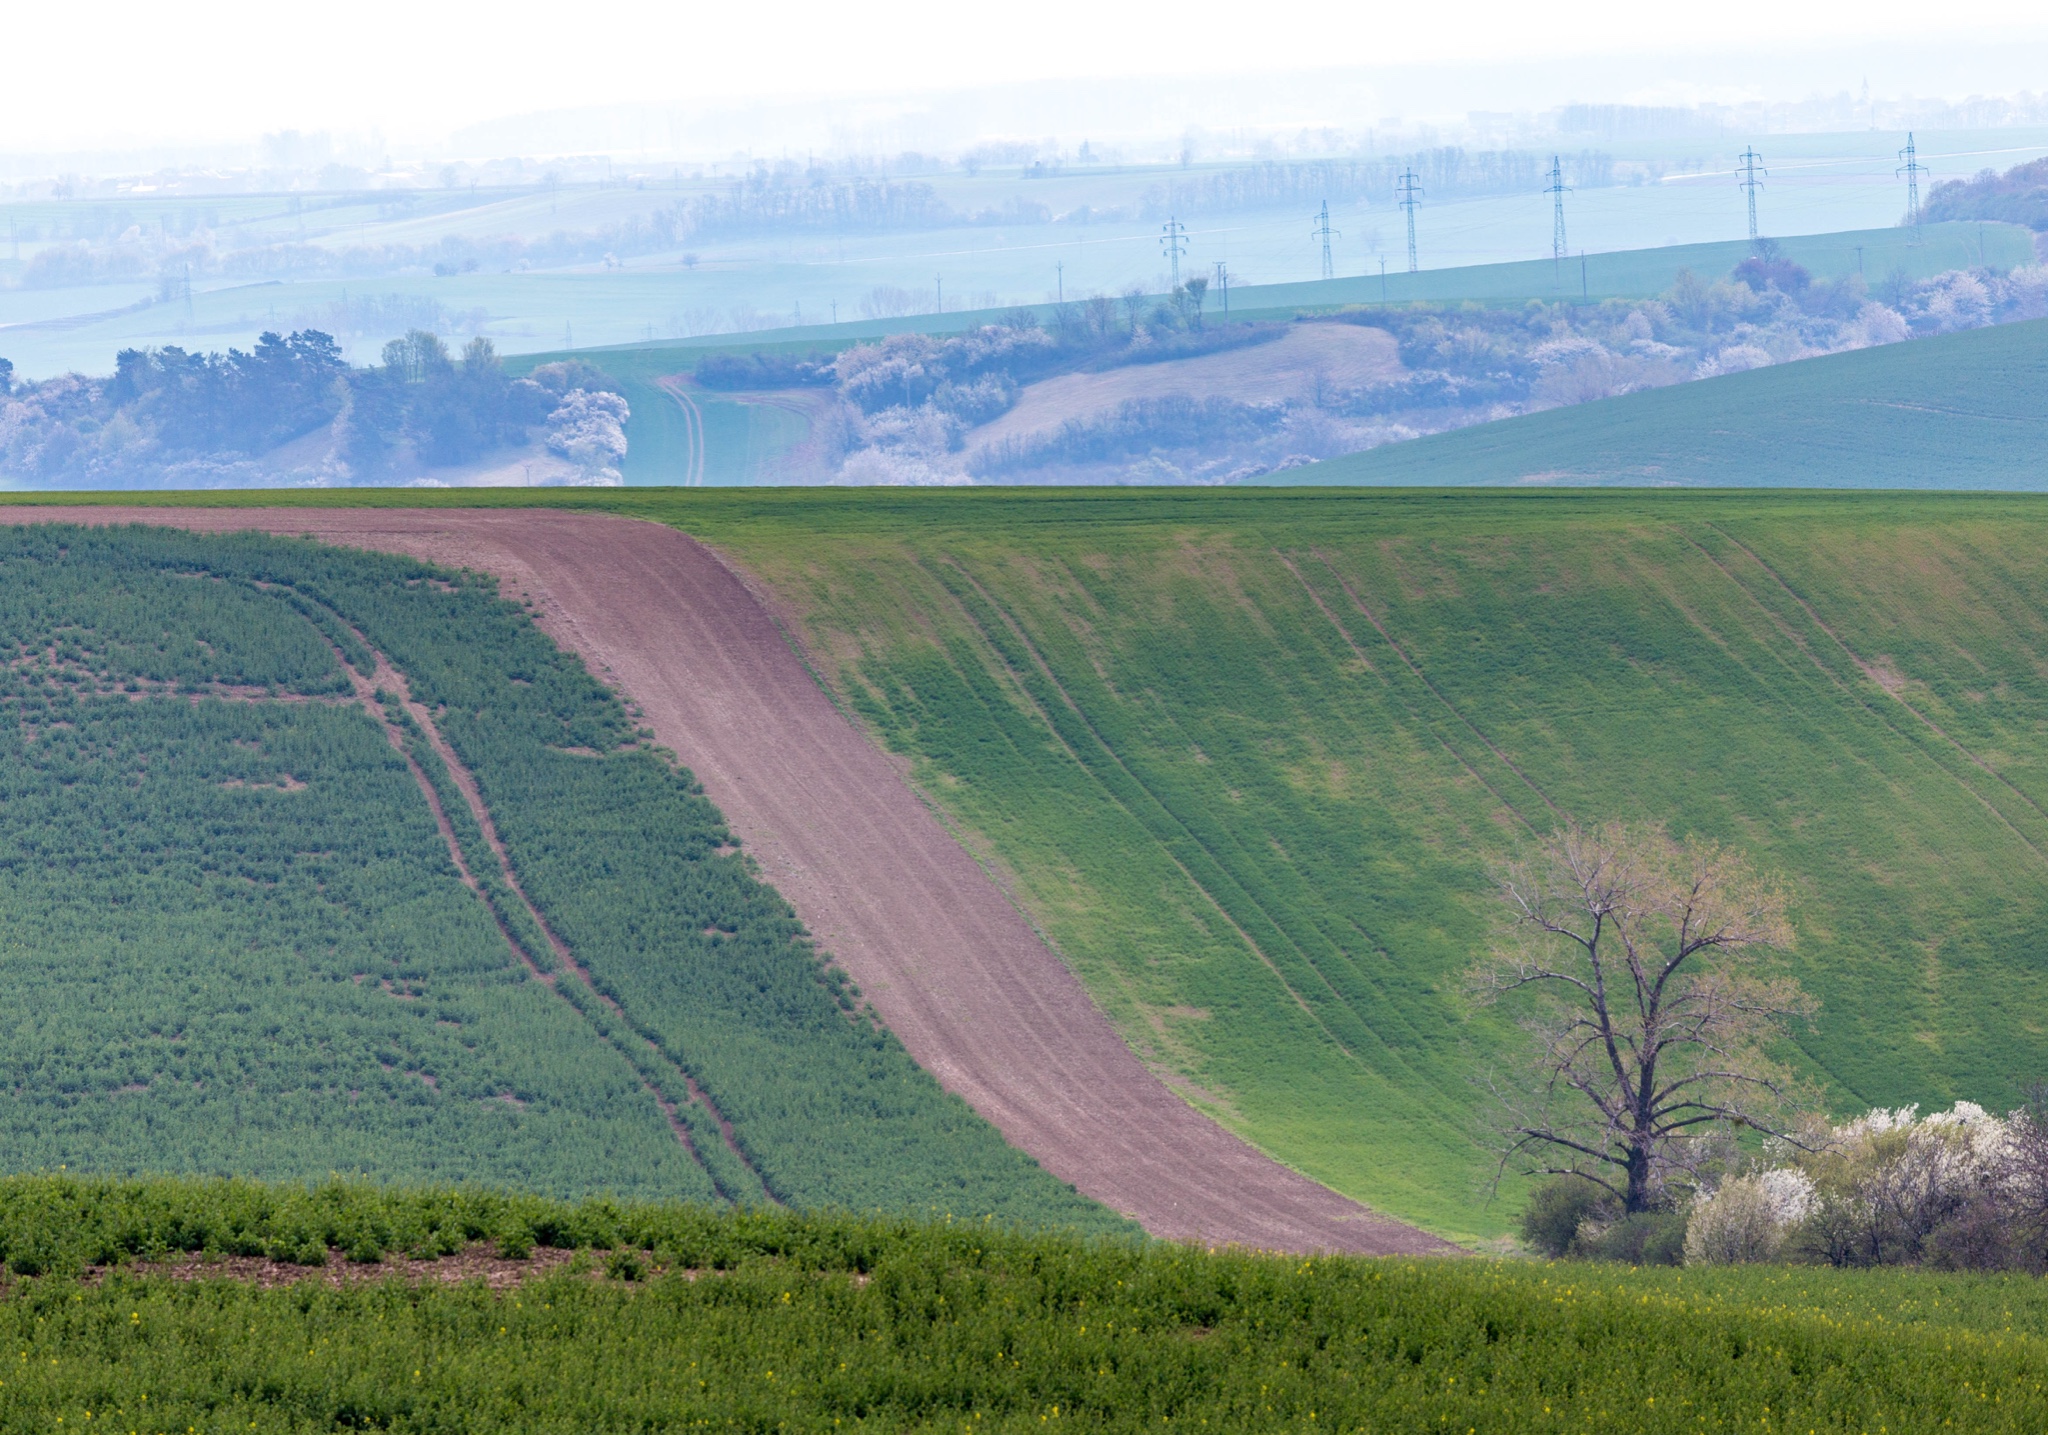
(1246,759)
(1966,410)
(1247,763)
(237,941)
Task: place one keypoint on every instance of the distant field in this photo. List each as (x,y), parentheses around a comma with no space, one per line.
(1960,411)
(1246,758)
(257,923)
(743,438)
(628,1317)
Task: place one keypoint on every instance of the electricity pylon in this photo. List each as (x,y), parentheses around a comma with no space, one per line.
(1748,178)
(1912,169)
(1557,193)
(1323,232)
(1173,238)
(1410,190)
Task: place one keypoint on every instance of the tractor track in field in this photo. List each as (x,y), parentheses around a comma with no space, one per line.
(386,678)
(956,972)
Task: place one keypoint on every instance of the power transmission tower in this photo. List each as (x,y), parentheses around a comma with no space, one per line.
(1223,283)
(1410,190)
(1061,271)
(1557,193)
(1323,232)
(1912,169)
(1748,178)
(1173,238)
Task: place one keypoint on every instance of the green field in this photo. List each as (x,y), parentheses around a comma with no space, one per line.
(677,1318)
(236,941)
(1246,758)
(735,440)
(1959,411)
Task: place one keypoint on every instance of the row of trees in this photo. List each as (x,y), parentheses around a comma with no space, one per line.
(166,414)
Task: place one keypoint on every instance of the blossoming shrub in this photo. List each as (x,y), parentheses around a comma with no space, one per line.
(1957,1189)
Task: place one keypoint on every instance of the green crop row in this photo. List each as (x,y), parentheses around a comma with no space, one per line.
(236,941)
(683,1318)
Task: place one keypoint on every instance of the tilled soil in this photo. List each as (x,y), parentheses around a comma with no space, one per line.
(950,965)
(1337,357)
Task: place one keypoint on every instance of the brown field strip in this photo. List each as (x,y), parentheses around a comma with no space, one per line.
(955,970)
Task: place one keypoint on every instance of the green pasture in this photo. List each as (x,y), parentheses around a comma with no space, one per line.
(1246,759)
(1959,411)
(709,438)
(663,1316)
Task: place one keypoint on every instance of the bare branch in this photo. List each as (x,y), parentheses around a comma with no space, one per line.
(1640,967)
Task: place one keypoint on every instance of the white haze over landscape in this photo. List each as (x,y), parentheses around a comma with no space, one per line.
(130,74)
(553,180)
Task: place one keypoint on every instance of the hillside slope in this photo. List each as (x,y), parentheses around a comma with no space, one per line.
(319,860)
(1966,410)
(1246,759)
(1248,763)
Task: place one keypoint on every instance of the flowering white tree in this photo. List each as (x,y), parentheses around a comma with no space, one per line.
(589,429)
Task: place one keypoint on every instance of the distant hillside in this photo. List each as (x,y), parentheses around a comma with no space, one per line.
(1965,410)
(1031,397)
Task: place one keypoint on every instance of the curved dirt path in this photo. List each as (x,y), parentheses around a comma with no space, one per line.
(951,966)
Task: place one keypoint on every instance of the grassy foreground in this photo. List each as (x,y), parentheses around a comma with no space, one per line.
(1246,758)
(681,1318)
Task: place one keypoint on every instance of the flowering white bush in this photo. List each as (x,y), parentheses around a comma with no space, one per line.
(589,429)
(1875,324)
(1735,359)
(1961,1187)
(1955,300)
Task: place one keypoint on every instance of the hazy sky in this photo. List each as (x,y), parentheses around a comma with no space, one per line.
(129,70)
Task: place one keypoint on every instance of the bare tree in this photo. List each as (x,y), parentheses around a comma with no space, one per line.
(1640,967)
(1134,306)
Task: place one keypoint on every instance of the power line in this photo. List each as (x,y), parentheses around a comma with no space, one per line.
(1912,169)
(1557,192)
(1323,232)
(1409,188)
(1173,238)
(1750,182)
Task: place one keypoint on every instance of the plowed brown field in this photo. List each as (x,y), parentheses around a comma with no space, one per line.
(951,966)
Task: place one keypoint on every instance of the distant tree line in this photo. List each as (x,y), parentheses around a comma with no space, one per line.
(169,416)
(2019,196)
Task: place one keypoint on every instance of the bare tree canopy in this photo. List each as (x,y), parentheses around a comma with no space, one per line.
(1641,968)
